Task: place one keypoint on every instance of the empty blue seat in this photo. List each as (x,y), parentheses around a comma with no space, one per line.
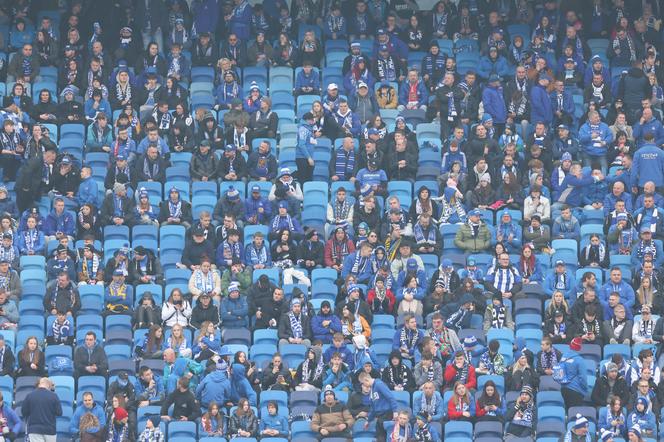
(187,430)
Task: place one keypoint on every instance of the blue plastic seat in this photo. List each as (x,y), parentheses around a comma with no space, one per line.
(33,276)
(551,413)
(458,429)
(550,398)
(280,397)
(292,354)
(202,73)
(187,430)
(325,290)
(320,275)
(176,276)
(95,385)
(266,336)
(383,322)
(203,203)
(262,353)
(118,323)
(272,274)
(34,262)
(205,188)
(382,336)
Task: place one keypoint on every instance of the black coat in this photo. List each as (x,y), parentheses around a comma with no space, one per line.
(199,314)
(602,390)
(108,210)
(82,359)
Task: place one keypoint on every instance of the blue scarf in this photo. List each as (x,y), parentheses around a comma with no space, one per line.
(296,324)
(258,256)
(205,283)
(344,164)
(30,237)
(420,237)
(359,264)
(279,222)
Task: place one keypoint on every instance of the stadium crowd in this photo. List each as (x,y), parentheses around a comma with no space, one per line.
(331,220)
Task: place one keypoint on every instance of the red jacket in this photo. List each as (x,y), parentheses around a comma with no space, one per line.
(388,295)
(451,372)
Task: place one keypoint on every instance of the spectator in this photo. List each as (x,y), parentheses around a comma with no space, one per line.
(90,358)
(215,389)
(40,409)
(185,407)
(88,406)
(243,422)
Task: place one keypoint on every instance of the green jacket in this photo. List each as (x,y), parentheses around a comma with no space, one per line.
(465,240)
(243,278)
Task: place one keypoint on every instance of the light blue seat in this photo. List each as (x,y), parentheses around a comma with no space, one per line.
(262,353)
(325,290)
(272,274)
(32,262)
(266,336)
(187,430)
(177,276)
(202,203)
(116,232)
(292,354)
(458,429)
(280,397)
(551,413)
(92,299)
(204,188)
(144,233)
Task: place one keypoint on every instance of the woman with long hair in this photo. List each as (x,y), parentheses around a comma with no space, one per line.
(529,267)
(178,342)
(309,374)
(90,422)
(645,294)
(615,419)
(31,361)
(176,310)
(151,348)
(212,422)
(461,407)
(285,52)
(490,406)
(508,193)
(522,373)
(243,422)
(207,342)
(558,302)
(424,204)
(352,324)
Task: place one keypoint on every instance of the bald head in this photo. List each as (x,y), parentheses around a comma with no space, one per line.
(169,355)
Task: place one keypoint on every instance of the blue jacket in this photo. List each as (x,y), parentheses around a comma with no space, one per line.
(252,259)
(206,15)
(277,422)
(347,267)
(572,189)
(638,250)
(104,106)
(355,124)
(654,126)
(625,291)
(325,333)
(240,22)
(305,142)
(80,411)
(395,46)
(152,396)
(646,217)
(645,420)
(540,105)
(568,289)
(39,410)
(588,75)
(346,355)
(214,387)
(312,80)
(568,102)
(127,300)
(339,381)
(576,372)
(13,421)
(595,192)
(422,283)
(566,230)
(585,138)
(422,93)
(282,224)
(648,165)
(450,158)
(251,207)
(88,192)
(494,103)
(181,366)
(440,409)
(610,200)
(487,67)
(143,146)
(227,92)
(382,400)
(64,223)
(8,205)
(37,247)
(234,312)
(240,386)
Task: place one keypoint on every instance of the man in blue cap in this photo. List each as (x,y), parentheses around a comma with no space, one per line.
(540,103)
(257,209)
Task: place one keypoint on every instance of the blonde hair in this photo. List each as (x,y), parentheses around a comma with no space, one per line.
(88,420)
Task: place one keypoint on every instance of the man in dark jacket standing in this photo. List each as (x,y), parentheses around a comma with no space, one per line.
(633,87)
(40,410)
(183,401)
(90,358)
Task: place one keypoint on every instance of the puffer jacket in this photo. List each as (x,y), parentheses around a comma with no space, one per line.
(326,417)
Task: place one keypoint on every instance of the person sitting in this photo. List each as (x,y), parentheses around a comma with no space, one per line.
(88,406)
(243,422)
(274,424)
(118,296)
(309,374)
(234,308)
(62,330)
(90,358)
(205,280)
(152,432)
(332,418)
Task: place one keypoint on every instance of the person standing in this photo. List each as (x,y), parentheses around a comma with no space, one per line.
(40,410)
